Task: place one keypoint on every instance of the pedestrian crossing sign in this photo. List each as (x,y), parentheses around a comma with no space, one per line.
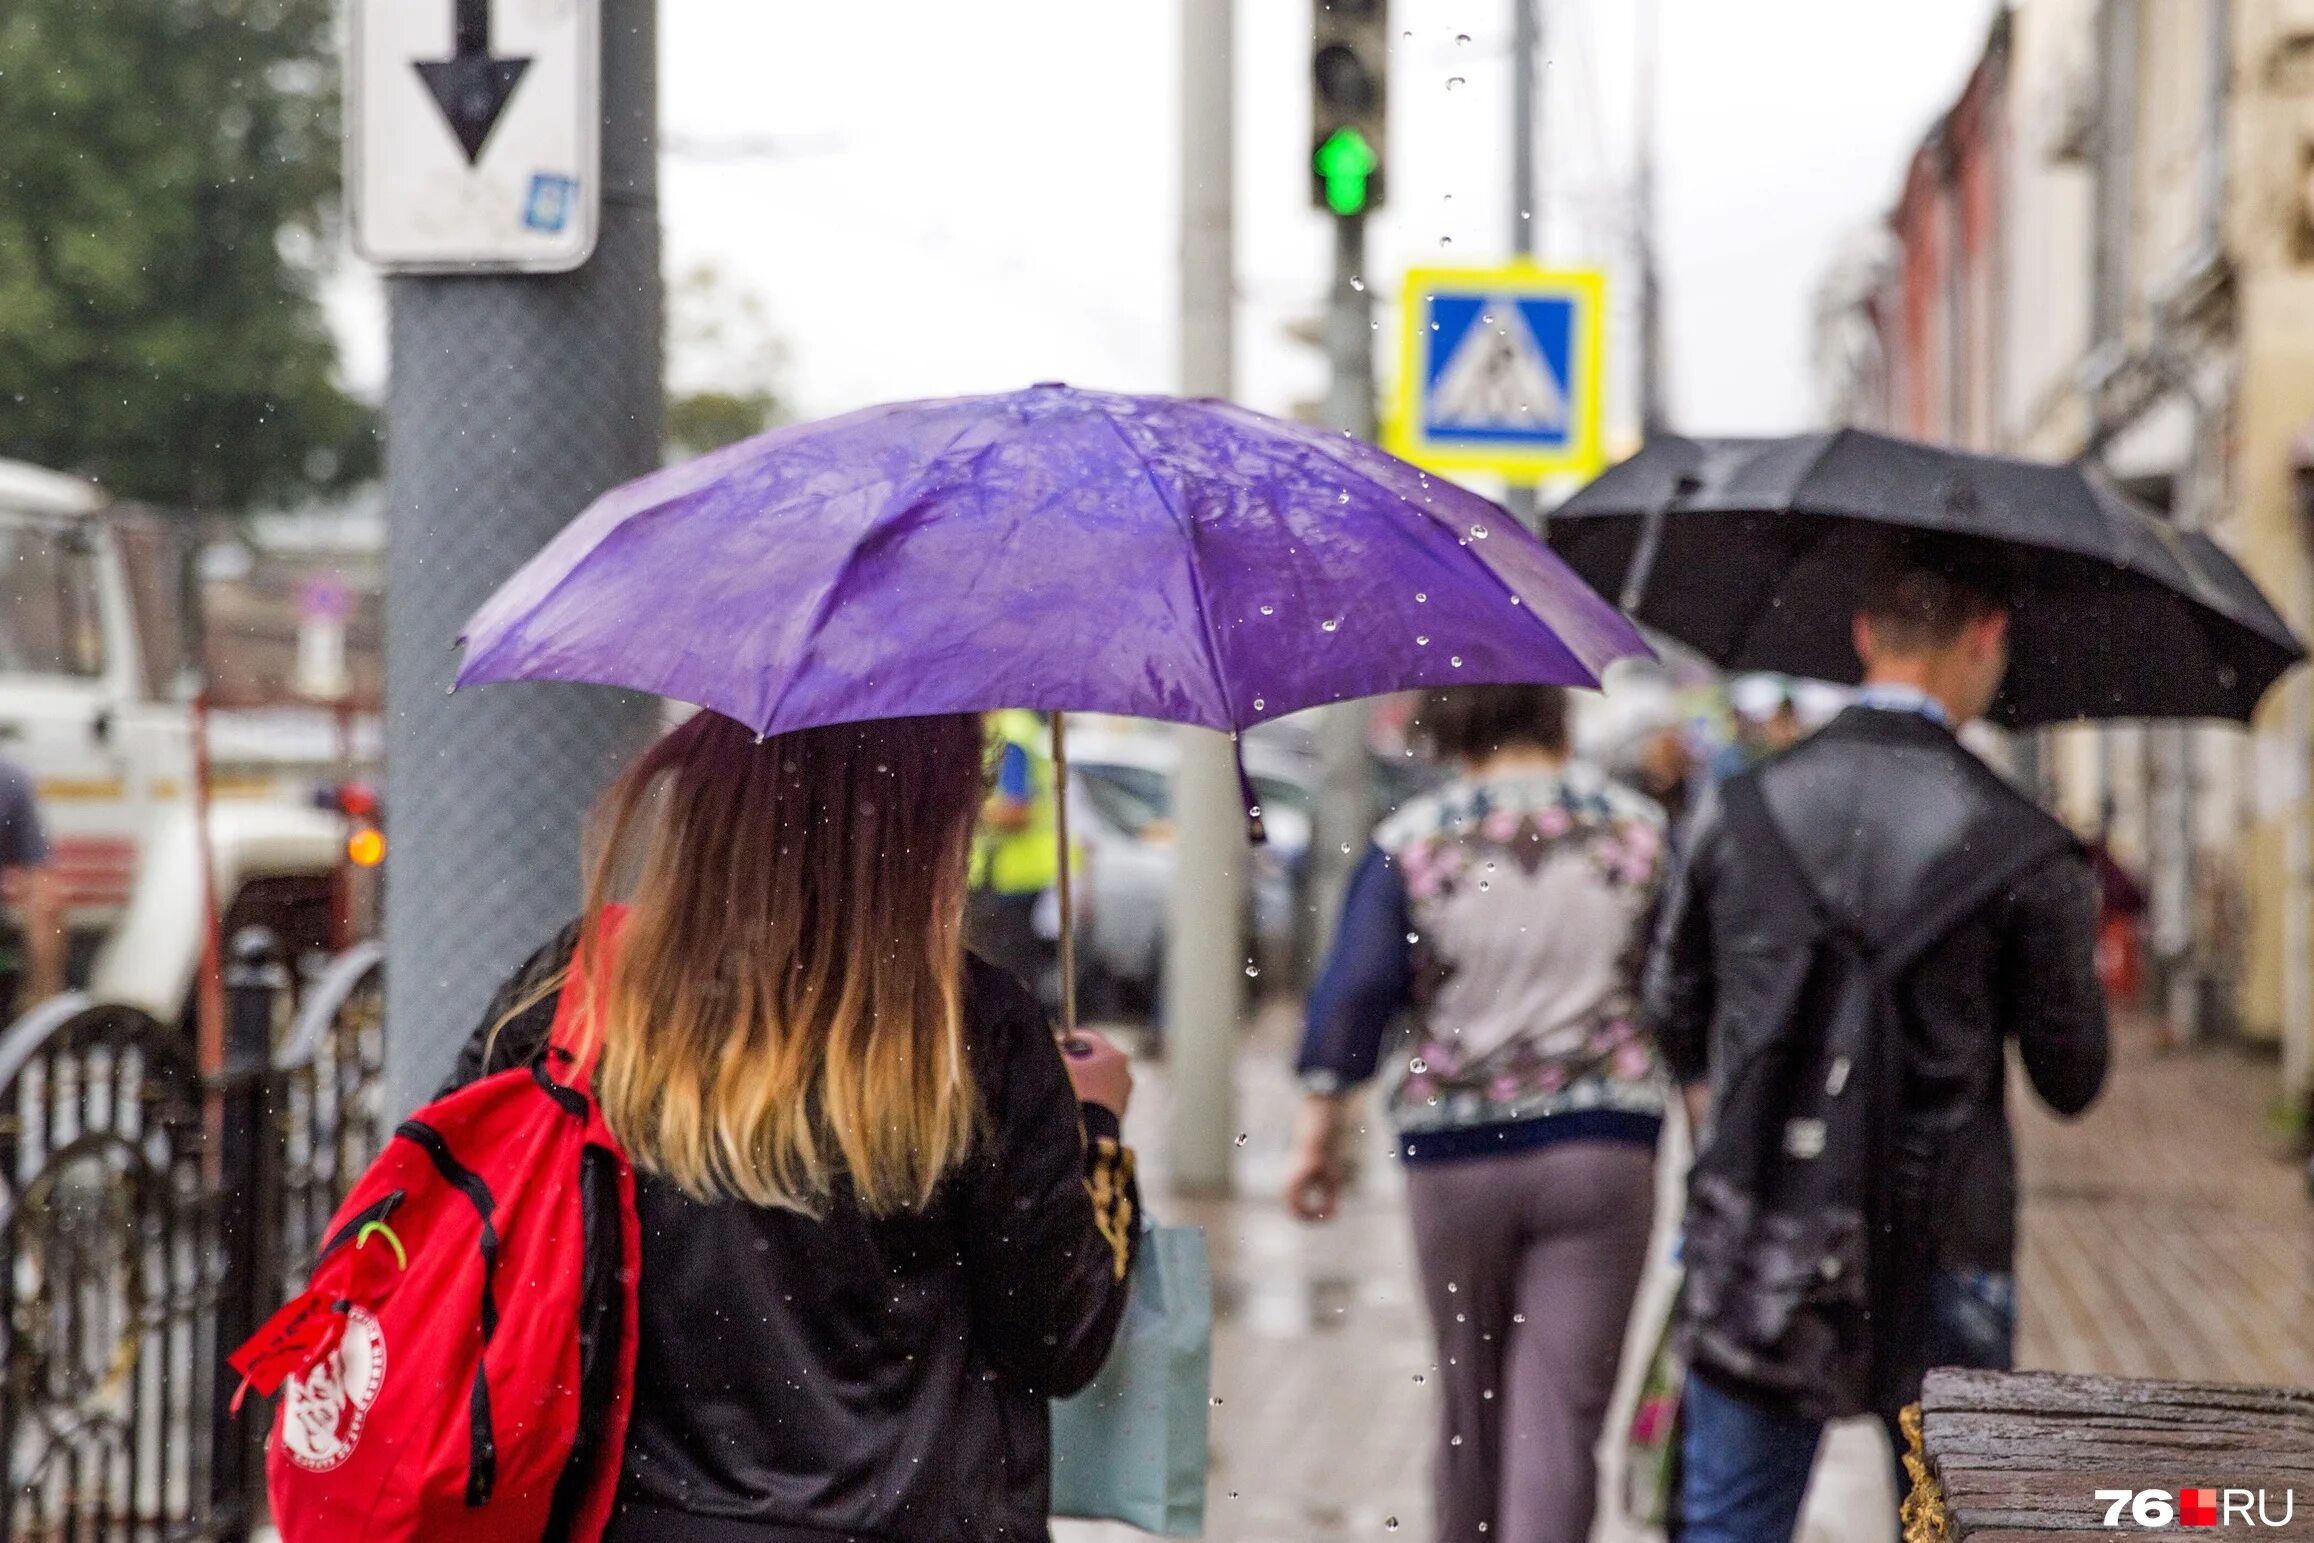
(1501,370)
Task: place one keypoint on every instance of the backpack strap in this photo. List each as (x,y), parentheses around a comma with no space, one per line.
(1754,825)
(569,1046)
(1928,916)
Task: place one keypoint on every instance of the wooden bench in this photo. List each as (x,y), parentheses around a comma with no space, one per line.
(2011,1457)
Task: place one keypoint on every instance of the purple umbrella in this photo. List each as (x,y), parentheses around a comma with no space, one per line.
(1050,548)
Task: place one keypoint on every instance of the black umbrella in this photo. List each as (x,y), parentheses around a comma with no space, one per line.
(1751,551)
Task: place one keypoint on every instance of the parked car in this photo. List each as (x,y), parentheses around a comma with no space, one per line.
(1121,811)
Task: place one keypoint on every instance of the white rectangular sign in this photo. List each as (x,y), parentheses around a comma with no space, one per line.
(472,133)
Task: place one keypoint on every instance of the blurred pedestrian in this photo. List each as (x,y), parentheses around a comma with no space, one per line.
(1860,926)
(1506,911)
(2121,908)
(1759,734)
(32,944)
(884,1218)
(1015,854)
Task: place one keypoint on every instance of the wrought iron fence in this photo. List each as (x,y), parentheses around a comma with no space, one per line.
(149,1220)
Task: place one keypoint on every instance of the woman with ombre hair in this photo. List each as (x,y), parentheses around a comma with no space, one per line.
(884,1217)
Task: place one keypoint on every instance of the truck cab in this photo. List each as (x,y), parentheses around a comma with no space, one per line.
(99,662)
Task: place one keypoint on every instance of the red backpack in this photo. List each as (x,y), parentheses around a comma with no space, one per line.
(461,1366)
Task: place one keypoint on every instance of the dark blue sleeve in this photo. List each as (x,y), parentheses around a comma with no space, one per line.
(1367,981)
(1012,777)
(22,842)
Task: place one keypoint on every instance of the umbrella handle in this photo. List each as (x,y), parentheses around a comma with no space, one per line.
(1643,556)
(1254,833)
(1068,908)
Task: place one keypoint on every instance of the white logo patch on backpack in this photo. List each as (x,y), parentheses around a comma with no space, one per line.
(322,1411)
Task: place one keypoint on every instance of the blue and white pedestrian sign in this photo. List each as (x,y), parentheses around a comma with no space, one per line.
(1502,370)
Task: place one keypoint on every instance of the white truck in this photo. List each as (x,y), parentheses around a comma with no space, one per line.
(98,658)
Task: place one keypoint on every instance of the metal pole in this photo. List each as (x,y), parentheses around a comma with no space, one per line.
(514,401)
(1068,926)
(1526,44)
(252,987)
(1654,413)
(1205,954)
(1345,791)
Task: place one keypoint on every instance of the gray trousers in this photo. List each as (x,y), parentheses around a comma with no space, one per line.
(1529,1264)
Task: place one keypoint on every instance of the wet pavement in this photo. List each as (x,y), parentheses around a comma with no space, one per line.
(2164,1234)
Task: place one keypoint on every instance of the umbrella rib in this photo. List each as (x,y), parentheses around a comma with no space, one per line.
(827,600)
(1196,578)
(1485,567)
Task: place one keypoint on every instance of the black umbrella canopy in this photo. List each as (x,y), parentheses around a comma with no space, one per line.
(1759,546)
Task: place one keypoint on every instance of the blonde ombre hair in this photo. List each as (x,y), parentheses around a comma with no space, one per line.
(782,1009)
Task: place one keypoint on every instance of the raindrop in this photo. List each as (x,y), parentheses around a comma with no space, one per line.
(1451,1288)
(1259,704)
(1414,937)
(1269,610)
(1478,533)
(1342,497)
(1217,1403)
(1419,1379)
(1462,38)
(1418,1066)
(1484,885)
(1489,1393)
(1241,1138)
(1456,661)
(1442,241)
(1518,1317)
(1389,1524)
(1422,640)
(1454,1441)
(1358,284)
(1454,82)
(1252,971)
(1330,624)
(1345,849)
(1420,598)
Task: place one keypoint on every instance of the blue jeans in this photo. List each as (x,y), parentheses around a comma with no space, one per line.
(1744,1468)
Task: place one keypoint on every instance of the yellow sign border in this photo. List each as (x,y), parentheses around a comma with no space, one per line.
(1585,453)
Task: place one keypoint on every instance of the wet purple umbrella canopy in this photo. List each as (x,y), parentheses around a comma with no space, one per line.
(1050,548)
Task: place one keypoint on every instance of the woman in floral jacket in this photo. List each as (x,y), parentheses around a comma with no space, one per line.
(1507,914)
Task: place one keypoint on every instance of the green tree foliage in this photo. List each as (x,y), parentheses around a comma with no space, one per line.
(724,364)
(168,170)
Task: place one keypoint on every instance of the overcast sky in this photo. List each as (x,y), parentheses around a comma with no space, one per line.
(974,197)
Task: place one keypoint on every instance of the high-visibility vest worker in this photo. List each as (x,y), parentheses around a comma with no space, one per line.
(1020,855)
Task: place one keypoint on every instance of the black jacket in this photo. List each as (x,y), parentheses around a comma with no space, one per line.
(1870,805)
(802,1381)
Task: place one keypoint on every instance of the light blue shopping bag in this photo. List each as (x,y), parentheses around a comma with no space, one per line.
(1132,1447)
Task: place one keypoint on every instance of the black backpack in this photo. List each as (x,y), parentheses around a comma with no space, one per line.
(1803,1204)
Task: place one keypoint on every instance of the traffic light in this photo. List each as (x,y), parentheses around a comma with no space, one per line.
(1349,85)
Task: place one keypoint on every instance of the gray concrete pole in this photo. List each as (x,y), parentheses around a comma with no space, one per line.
(1345,788)
(1205,957)
(1526,213)
(513,402)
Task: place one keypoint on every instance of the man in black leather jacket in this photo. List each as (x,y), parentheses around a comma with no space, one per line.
(1872,807)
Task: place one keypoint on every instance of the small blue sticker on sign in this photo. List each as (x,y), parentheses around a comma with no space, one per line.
(551,200)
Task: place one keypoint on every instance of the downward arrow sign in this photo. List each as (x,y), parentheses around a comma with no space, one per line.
(471,86)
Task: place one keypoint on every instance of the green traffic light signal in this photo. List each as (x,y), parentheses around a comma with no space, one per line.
(1344,163)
